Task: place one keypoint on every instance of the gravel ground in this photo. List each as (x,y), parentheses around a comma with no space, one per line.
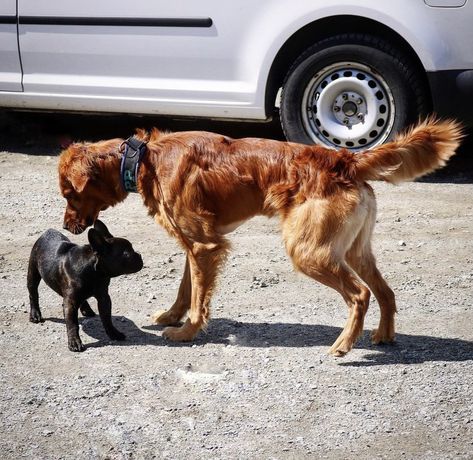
(259,383)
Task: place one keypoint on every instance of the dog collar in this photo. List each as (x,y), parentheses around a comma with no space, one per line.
(132,154)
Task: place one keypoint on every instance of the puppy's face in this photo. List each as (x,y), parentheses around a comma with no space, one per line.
(116,256)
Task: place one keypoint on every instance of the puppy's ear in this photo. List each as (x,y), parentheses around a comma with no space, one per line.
(96,240)
(102,229)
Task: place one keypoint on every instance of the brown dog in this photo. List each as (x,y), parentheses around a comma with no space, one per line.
(200,186)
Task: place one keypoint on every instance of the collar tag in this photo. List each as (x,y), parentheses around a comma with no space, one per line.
(132,154)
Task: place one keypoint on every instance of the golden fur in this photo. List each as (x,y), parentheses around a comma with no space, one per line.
(200,185)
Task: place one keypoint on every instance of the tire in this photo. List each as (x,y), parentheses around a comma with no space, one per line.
(353,90)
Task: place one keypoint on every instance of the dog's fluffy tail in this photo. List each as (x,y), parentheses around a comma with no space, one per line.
(420,150)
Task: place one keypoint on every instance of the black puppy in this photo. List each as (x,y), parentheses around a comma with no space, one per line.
(79,272)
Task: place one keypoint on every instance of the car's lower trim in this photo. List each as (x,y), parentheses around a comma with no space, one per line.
(222,108)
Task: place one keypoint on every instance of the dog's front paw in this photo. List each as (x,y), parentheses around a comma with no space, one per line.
(116,335)
(75,344)
(178,334)
(35,316)
(341,346)
(378,336)
(339,351)
(164,318)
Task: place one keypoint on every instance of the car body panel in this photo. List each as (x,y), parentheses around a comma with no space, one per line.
(10,67)
(216,71)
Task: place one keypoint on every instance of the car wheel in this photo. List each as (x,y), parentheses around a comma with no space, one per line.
(353,91)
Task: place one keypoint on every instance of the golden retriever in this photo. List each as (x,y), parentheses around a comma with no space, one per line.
(200,186)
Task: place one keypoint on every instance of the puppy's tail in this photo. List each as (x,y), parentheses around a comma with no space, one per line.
(420,150)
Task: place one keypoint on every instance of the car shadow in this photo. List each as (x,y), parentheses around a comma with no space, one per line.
(43,133)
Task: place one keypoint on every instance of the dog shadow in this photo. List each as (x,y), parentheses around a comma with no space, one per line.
(408,349)
(93,328)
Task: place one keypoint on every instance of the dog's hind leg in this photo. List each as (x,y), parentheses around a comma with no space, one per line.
(182,304)
(33,280)
(362,260)
(204,264)
(370,274)
(317,235)
(341,278)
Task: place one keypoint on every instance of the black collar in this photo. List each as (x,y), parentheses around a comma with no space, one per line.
(132,154)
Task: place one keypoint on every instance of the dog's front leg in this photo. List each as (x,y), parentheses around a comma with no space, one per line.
(204,264)
(86,310)
(180,306)
(104,304)
(34,279)
(71,309)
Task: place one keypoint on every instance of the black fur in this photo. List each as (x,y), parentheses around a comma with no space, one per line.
(79,272)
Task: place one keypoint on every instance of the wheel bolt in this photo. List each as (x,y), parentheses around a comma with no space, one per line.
(346,121)
(359,101)
(345,96)
(360,116)
(336,108)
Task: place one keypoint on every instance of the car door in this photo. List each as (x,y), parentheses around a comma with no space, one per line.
(10,67)
(107,50)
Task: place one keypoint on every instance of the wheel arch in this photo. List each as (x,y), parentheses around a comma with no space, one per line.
(327,27)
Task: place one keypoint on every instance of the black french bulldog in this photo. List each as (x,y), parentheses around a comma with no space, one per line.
(79,272)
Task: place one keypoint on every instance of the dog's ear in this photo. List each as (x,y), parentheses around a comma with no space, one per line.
(96,240)
(102,229)
(142,134)
(155,134)
(79,181)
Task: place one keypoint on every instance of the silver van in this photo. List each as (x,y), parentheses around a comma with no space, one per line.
(341,73)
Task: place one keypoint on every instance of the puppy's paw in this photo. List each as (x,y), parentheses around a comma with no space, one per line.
(178,334)
(35,317)
(378,337)
(116,335)
(164,318)
(75,344)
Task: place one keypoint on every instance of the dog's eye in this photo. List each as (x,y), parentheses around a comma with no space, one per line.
(67,193)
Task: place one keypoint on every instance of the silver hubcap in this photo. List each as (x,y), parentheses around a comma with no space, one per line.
(348,105)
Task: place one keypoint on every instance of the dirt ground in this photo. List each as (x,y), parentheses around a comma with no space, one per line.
(259,383)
